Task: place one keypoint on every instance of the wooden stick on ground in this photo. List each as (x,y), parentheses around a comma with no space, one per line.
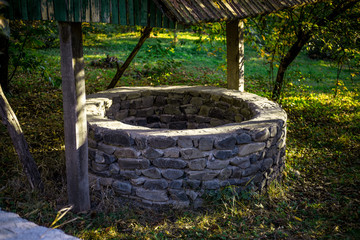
(22,148)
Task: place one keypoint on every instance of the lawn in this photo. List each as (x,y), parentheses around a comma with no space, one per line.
(319,196)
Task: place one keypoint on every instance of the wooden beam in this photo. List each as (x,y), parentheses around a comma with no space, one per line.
(75,125)
(235,54)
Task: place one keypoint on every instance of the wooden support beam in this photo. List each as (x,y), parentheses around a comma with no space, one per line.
(75,125)
(235,54)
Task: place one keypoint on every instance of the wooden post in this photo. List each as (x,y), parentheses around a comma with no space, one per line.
(75,125)
(235,54)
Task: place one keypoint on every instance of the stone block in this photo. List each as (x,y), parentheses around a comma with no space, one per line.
(140,142)
(172,109)
(178,125)
(128,163)
(128,174)
(191,153)
(121,114)
(169,163)
(161,142)
(185,142)
(242,162)
(197,164)
(223,154)
(250,148)
(193,184)
(144,112)
(211,185)
(206,144)
(236,172)
(171,153)
(118,138)
(98,167)
(138,181)
(121,187)
(179,204)
(204,111)
(152,195)
(106,148)
(216,113)
(225,143)
(152,173)
(126,153)
(106,181)
(158,184)
(217,164)
(251,170)
(267,163)
(176,184)
(273,131)
(262,135)
(225,173)
(243,138)
(147,102)
(179,195)
(152,153)
(133,95)
(153,119)
(114,169)
(197,101)
(202,175)
(172,173)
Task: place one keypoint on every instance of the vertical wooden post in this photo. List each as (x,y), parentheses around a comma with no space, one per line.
(235,54)
(75,125)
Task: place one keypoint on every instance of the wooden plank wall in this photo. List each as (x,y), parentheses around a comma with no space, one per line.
(124,12)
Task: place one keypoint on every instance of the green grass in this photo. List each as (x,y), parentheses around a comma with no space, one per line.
(318,198)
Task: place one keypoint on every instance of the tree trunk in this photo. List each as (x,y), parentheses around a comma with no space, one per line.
(4,57)
(285,62)
(120,71)
(17,136)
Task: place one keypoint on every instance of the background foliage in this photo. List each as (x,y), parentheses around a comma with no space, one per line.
(319,196)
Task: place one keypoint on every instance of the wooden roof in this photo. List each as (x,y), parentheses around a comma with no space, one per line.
(196,11)
(155,13)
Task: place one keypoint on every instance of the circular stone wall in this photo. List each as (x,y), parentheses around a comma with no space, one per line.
(169,145)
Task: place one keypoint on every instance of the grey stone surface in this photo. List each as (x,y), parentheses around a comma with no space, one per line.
(206,144)
(122,187)
(217,164)
(169,163)
(225,143)
(262,135)
(172,174)
(175,167)
(118,138)
(223,154)
(12,227)
(156,184)
(251,148)
(126,153)
(153,153)
(185,142)
(243,162)
(197,164)
(243,138)
(179,195)
(152,195)
(211,185)
(191,153)
(176,184)
(171,153)
(161,142)
(128,163)
(152,173)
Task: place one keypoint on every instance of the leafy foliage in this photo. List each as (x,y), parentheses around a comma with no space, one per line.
(318,197)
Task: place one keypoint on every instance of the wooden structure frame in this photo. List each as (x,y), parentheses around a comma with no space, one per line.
(154,13)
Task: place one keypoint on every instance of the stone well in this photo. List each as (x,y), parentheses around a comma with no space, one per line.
(170,145)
